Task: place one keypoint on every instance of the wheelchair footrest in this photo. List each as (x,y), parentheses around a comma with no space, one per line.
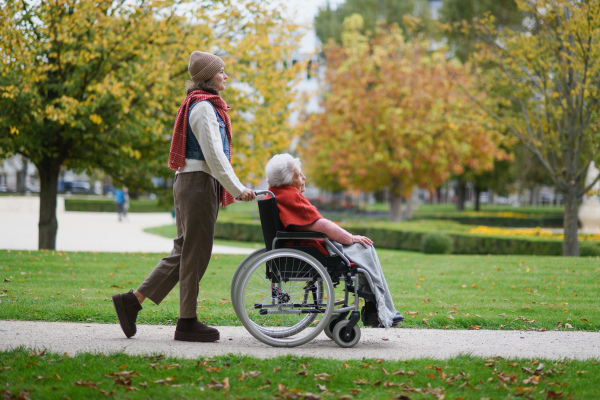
(363,293)
(264,311)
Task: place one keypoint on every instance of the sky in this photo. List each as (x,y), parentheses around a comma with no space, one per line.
(303,12)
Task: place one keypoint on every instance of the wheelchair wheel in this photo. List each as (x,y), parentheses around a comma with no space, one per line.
(235,292)
(242,267)
(329,327)
(280,294)
(341,336)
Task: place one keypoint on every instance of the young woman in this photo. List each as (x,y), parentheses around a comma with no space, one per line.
(200,154)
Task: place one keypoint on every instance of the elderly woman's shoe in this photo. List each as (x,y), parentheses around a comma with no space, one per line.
(191,330)
(397,319)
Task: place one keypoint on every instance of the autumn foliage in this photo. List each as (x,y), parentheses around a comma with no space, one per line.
(551,76)
(396,117)
(96,85)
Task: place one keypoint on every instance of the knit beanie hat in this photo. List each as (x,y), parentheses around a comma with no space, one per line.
(204,66)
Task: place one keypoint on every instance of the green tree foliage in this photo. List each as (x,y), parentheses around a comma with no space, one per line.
(505,12)
(96,85)
(329,22)
(552,77)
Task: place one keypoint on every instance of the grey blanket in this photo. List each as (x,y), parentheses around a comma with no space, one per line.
(367,259)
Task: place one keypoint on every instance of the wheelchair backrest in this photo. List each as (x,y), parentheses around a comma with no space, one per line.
(269,220)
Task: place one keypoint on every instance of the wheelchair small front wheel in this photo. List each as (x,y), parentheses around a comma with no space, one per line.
(329,327)
(344,337)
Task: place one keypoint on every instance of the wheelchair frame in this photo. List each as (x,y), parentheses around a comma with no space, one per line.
(273,272)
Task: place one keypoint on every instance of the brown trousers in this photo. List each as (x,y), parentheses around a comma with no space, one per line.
(196,207)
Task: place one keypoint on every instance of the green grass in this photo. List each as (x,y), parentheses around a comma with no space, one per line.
(453,292)
(42,375)
(170,232)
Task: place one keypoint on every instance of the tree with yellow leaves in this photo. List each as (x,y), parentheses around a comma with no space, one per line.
(552,78)
(96,84)
(395,117)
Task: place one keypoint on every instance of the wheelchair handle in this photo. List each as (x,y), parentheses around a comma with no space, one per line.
(259,192)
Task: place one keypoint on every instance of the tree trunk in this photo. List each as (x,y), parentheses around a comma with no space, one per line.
(395,201)
(571,224)
(22,177)
(477,202)
(461,195)
(48,225)
(408,210)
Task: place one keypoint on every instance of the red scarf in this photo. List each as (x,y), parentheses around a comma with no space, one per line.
(177,152)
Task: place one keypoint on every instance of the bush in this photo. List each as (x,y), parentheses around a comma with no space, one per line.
(545,221)
(107,205)
(436,243)
(386,238)
(587,249)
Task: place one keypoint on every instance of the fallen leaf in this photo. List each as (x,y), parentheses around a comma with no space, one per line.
(323,377)
(310,396)
(551,395)
(86,383)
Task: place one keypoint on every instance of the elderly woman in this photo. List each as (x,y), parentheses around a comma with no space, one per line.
(286,181)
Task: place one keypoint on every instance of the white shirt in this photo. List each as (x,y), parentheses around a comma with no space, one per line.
(206,129)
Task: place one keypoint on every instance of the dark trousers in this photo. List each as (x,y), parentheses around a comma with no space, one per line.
(196,207)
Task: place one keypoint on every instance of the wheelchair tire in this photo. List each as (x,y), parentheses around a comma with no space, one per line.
(329,327)
(234,289)
(339,334)
(279,296)
(243,265)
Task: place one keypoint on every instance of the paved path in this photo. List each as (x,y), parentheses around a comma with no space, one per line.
(393,344)
(86,231)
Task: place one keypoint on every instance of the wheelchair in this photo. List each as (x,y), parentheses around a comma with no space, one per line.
(284,293)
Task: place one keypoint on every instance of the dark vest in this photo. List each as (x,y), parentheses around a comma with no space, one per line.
(192,147)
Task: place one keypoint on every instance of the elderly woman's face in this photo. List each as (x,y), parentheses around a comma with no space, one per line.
(299,179)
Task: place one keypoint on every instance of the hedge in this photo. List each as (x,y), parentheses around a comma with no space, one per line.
(135,206)
(410,240)
(546,221)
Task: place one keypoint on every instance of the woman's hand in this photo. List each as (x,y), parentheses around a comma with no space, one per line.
(365,241)
(247,195)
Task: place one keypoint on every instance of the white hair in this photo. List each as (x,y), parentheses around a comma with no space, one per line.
(280,169)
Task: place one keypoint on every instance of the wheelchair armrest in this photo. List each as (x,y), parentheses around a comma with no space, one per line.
(300,235)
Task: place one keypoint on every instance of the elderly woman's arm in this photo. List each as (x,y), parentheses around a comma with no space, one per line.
(334,232)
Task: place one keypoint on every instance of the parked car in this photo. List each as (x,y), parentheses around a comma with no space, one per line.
(80,187)
(31,188)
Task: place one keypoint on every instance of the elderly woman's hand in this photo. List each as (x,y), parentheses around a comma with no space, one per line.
(365,241)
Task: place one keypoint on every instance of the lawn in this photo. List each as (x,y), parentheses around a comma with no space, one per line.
(451,292)
(33,374)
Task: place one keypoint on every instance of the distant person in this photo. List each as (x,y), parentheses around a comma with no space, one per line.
(201,156)
(120,197)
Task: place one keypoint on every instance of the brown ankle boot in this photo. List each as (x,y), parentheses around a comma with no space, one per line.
(127,307)
(190,330)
